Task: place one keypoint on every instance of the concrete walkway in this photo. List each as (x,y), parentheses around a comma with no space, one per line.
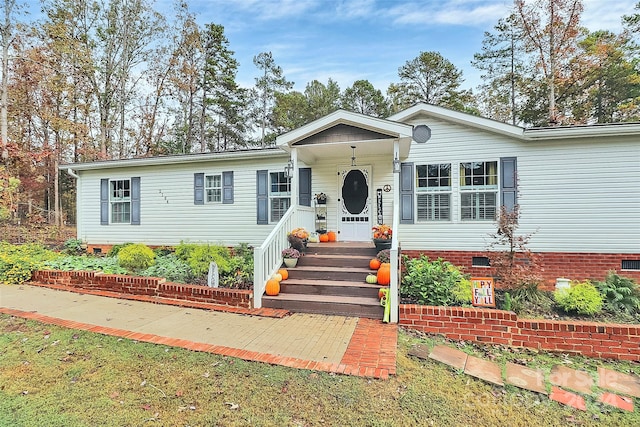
(346,345)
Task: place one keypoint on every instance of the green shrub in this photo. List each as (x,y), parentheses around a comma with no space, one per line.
(461,292)
(171,268)
(107,265)
(620,293)
(115,249)
(18,262)
(582,298)
(136,256)
(199,256)
(73,246)
(240,275)
(429,282)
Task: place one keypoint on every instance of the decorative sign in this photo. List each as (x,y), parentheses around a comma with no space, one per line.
(380,218)
(483,293)
(386,188)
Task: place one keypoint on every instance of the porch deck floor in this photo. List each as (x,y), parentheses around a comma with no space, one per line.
(338,344)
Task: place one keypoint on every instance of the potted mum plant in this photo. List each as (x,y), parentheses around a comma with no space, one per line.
(290,257)
(382,235)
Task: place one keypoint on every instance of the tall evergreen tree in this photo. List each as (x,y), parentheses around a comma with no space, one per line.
(363,98)
(503,67)
(272,80)
(433,79)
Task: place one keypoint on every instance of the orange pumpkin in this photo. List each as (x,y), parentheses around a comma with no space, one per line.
(374,264)
(384,274)
(332,236)
(324,238)
(272,288)
(284,273)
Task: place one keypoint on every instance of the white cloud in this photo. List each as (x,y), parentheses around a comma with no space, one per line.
(477,13)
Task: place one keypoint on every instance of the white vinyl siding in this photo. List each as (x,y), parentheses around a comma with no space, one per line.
(575,195)
(169,215)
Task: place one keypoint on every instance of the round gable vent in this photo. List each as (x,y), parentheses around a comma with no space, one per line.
(421,133)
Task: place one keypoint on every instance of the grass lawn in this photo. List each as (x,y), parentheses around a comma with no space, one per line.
(51,376)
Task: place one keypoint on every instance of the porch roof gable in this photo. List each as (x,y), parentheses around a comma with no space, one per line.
(333,135)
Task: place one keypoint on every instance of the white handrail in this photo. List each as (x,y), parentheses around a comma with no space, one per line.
(267,258)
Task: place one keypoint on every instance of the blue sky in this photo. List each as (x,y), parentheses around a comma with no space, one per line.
(349,40)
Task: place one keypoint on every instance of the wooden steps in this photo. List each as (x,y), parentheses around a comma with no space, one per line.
(330,279)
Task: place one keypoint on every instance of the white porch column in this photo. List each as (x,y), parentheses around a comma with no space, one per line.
(394,288)
(294,178)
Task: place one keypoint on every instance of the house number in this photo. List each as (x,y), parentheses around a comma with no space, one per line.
(386,188)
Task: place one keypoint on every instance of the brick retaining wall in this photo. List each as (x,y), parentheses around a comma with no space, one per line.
(148,286)
(574,266)
(591,339)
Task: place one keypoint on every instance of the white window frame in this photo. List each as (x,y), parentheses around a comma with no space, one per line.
(477,192)
(431,189)
(120,201)
(277,197)
(210,191)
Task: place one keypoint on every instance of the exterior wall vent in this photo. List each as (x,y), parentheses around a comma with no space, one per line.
(480,261)
(631,264)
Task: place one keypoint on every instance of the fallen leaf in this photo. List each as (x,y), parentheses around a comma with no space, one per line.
(179,393)
(114,395)
(146,407)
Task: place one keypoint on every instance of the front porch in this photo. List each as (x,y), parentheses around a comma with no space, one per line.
(356,161)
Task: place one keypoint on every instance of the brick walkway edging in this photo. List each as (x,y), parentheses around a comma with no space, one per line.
(144,286)
(372,334)
(590,339)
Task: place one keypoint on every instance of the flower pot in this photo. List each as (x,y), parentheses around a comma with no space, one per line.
(382,244)
(290,262)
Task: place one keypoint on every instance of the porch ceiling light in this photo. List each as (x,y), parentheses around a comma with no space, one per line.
(353,155)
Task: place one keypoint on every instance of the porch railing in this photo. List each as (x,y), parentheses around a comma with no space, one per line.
(267,258)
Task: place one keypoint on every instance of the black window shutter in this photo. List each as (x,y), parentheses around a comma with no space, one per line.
(198,189)
(304,187)
(135,200)
(104,202)
(406,193)
(508,182)
(262,196)
(227,187)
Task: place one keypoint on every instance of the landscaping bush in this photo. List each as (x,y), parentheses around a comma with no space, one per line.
(73,246)
(240,268)
(582,298)
(171,268)
(461,292)
(620,294)
(115,249)
(18,262)
(136,256)
(199,256)
(106,265)
(429,282)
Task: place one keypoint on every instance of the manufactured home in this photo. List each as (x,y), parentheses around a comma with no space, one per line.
(437,176)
